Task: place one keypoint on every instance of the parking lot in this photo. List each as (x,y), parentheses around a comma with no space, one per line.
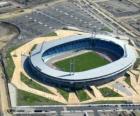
(40,22)
(135,23)
(120,8)
(73,16)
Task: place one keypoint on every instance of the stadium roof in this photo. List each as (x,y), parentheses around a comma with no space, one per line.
(100,72)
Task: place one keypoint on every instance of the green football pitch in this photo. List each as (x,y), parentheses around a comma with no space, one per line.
(81,62)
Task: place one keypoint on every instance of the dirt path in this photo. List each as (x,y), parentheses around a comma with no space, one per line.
(3,96)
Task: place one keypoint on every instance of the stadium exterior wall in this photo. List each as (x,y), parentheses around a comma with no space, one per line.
(46,79)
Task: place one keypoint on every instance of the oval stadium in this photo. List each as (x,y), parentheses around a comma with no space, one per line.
(81,60)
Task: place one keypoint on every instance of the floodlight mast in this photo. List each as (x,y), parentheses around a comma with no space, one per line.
(117,32)
(93,34)
(72,67)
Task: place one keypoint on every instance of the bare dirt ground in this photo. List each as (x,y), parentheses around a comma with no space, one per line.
(4,105)
(7,32)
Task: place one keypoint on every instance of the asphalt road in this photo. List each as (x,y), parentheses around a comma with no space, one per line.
(60,108)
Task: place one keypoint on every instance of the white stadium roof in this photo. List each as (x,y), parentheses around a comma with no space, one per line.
(100,72)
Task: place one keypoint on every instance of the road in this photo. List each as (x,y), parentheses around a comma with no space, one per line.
(95,107)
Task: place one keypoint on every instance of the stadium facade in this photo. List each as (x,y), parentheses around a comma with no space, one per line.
(123,57)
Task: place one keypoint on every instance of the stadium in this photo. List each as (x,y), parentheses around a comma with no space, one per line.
(56,62)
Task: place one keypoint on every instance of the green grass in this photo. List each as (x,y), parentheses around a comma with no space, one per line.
(137,63)
(33,84)
(107,92)
(64,93)
(82,95)
(34,46)
(50,34)
(106,29)
(128,81)
(65,28)
(26,98)
(83,62)
(111,102)
(10,66)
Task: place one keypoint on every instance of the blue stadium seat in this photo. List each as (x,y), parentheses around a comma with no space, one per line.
(107,47)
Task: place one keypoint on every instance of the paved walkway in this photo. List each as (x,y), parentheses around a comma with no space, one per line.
(13,95)
(73,98)
(97,92)
(134,83)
